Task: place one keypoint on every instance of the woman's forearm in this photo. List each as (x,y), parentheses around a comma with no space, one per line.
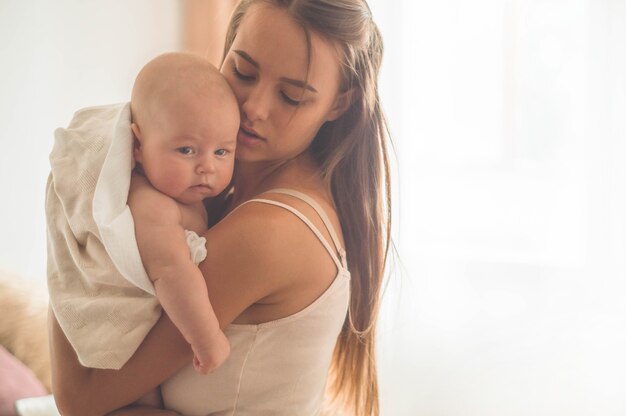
(84,391)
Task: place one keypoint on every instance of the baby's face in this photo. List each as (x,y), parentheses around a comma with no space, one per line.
(187,150)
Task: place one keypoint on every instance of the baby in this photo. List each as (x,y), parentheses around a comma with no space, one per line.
(185,121)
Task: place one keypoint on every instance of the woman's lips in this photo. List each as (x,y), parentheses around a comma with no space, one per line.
(248,137)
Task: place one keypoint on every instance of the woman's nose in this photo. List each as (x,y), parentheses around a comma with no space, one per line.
(257,104)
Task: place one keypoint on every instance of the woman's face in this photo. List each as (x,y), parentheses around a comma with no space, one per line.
(282,107)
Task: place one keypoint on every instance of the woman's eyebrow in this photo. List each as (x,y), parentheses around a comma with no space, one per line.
(295,82)
(247,58)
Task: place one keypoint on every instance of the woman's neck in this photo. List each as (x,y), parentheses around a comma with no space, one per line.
(250,178)
(253,178)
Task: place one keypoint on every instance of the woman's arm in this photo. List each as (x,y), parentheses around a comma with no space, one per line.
(246,259)
(84,391)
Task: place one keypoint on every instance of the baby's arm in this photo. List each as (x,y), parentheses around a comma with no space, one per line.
(179,284)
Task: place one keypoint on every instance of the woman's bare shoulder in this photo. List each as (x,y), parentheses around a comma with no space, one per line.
(261,254)
(258,234)
(280,218)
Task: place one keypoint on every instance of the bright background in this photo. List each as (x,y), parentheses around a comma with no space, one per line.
(509,119)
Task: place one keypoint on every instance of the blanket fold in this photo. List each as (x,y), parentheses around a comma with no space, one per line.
(99,290)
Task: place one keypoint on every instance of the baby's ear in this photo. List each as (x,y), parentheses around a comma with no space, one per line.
(136,141)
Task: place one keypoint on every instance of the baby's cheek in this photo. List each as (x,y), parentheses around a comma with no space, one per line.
(173,182)
(226,176)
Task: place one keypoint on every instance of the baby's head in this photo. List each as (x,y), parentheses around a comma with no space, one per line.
(185,120)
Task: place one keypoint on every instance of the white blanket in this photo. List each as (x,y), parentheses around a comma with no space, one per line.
(99,290)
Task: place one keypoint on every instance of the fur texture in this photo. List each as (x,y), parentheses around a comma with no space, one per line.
(23,323)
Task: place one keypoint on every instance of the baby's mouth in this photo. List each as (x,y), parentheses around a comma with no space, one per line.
(201,187)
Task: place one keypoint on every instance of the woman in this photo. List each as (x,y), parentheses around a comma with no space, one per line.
(305,76)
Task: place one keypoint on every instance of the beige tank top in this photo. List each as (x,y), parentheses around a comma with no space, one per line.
(278,367)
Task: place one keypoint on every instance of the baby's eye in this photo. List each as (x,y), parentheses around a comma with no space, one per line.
(221,152)
(185,150)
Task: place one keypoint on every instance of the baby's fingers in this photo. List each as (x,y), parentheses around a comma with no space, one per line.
(199,367)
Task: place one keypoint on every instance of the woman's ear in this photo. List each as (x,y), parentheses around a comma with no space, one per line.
(136,142)
(342,103)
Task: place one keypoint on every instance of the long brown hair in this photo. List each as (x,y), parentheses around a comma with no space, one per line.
(352,152)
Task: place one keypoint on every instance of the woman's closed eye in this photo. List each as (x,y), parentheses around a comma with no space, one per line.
(290,100)
(242,76)
(248,78)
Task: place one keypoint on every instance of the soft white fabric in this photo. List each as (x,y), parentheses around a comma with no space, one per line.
(37,406)
(104,315)
(110,211)
(197,246)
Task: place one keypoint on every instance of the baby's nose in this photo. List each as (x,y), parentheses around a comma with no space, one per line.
(206,166)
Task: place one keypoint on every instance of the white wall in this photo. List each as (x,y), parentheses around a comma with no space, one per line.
(509,120)
(58,56)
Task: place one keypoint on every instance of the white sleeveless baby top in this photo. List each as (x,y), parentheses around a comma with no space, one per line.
(278,367)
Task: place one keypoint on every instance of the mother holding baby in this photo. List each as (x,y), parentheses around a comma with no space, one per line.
(297,250)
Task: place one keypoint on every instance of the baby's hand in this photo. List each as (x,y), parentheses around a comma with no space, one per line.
(207,358)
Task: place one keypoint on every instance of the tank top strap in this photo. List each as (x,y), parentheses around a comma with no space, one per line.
(340,264)
(322,214)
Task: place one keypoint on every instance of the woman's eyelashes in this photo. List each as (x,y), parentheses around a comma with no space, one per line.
(289,101)
(249,78)
(241,76)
